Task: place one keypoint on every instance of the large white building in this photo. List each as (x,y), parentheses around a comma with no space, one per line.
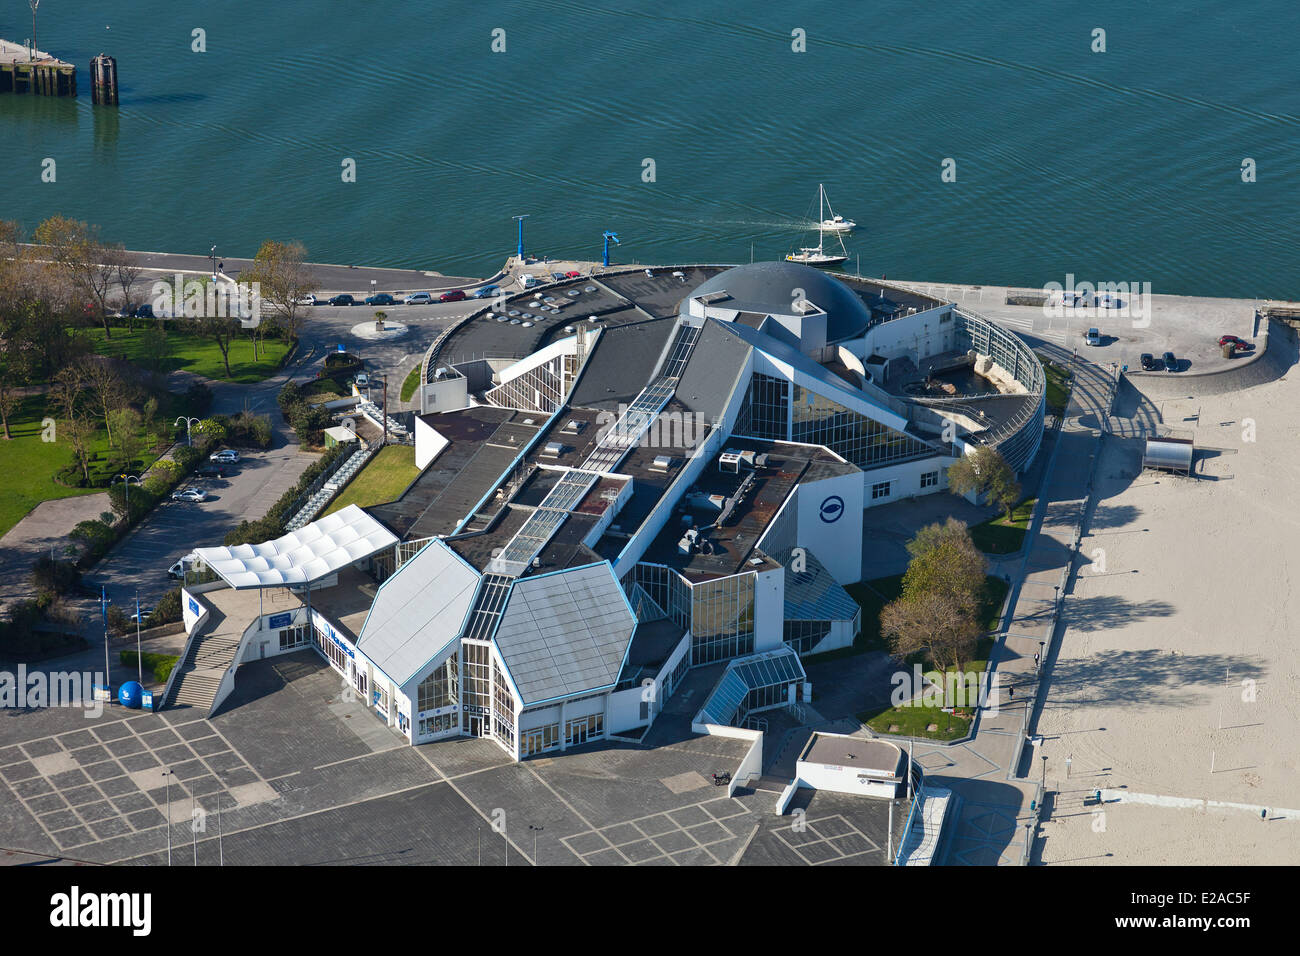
(631,475)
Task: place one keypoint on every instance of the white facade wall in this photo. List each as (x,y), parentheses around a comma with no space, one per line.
(915,336)
(905,481)
(820,776)
(769,609)
(837,543)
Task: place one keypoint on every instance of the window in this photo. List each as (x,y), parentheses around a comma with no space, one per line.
(929,479)
(803,636)
(440,724)
(581,729)
(862,440)
(439,689)
(294,636)
(541,738)
(765,409)
(880,490)
(503,709)
(722,619)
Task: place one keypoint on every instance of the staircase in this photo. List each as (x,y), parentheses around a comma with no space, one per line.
(204,665)
(330,487)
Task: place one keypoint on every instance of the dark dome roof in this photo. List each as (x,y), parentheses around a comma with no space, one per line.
(770,287)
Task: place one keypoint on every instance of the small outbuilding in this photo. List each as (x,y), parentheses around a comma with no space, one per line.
(1169,454)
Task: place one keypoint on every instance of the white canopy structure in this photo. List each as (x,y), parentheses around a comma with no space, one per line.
(314,551)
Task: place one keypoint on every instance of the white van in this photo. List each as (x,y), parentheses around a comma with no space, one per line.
(527,281)
(187,563)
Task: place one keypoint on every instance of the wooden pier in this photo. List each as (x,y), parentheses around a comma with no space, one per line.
(31,71)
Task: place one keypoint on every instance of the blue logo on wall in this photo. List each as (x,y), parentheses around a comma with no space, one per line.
(832,508)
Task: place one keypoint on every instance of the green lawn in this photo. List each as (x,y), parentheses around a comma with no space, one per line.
(916,721)
(196,354)
(1058,385)
(383,479)
(323,390)
(410,383)
(30,463)
(1000,536)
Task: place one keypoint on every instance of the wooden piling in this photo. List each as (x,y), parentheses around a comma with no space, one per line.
(103,80)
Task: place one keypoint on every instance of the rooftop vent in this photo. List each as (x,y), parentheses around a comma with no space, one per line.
(712,298)
(755,562)
(661,463)
(573,426)
(553,449)
(731,461)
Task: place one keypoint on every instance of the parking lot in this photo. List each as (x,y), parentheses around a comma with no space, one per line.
(175,528)
(305,774)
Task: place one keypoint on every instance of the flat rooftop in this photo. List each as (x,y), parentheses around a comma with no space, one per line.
(734,541)
(877,756)
(484,440)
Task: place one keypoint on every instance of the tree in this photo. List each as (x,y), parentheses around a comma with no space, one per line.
(946,561)
(943,589)
(126,423)
(106,388)
(936,624)
(279,270)
(84,260)
(221,331)
(984,472)
(127,272)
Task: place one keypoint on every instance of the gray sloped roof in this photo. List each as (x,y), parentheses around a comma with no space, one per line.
(418,611)
(713,372)
(565,633)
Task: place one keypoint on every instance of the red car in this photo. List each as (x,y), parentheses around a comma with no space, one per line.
(455,295)
(573,274)
(1241,344)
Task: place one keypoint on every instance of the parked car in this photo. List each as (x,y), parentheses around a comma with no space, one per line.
(342,299)
(558,276)
(143,311)
(487,291)
(454,295)
(1171,363)
(190,494)
(573,274)
(527,280)
(142,615)
(1148,362)
(211,470)
(380,298)
(305,300)
(1093,337)
(1241,344)
(363,380)
(419,298)
(226,456)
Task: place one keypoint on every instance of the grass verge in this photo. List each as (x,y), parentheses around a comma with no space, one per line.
(383,479)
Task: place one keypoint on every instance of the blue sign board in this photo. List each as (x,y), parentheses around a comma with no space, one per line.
(281,620)
(194,608)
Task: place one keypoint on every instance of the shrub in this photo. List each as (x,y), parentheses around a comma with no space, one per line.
(186,457)
(199,399)
(54,577)
(289,396)
(97,536)
(161,665)
(168,609)
(310,422)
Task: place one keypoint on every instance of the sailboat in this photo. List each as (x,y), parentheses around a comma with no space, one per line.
(817,255)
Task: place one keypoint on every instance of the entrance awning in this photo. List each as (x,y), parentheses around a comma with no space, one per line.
(315,551)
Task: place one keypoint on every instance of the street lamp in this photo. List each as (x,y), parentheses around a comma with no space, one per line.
(213,256)
(1044,773)
(188,422)
(1042,651)
(126,480)
(536,830)
(167,775)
